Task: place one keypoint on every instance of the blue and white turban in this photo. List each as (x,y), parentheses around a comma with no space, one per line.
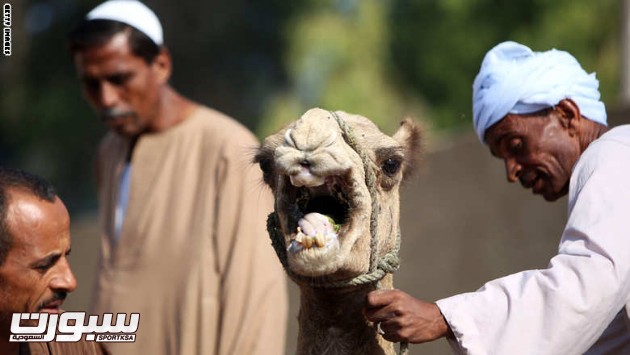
(514,79)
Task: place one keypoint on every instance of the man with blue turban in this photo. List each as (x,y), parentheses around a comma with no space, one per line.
(541,113)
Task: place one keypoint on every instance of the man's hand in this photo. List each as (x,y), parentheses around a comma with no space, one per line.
(405,318)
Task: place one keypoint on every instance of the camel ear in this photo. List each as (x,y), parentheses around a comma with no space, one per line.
(264,159)
(409,135)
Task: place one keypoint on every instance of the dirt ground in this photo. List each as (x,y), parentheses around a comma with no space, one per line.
(462,225)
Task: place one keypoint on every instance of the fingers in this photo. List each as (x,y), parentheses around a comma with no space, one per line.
(380,298)
(382,305)
(379,315)
(402,317)
(391,331)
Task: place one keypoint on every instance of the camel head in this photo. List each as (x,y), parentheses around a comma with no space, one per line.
(335,176)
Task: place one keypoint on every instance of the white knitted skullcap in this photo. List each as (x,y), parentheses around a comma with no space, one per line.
(132,12)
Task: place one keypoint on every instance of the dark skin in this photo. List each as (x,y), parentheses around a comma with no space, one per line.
(404,318)
(539,150)
(36,275)
(132,96)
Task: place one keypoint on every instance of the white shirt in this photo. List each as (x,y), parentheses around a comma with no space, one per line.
(565,308)
(123,200)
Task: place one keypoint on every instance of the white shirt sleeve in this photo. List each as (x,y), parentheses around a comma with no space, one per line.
(565,308)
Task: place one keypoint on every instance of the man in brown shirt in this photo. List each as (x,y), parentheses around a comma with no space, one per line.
(182,208)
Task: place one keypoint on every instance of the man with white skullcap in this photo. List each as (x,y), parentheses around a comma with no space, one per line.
(182,211)
(540,112)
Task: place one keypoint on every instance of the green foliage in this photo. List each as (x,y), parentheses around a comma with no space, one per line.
(438,46)
(267,62)
(46,127)
(336,58)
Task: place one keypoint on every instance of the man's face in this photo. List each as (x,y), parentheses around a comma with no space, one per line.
(36,276)
(538,150)
(120,86)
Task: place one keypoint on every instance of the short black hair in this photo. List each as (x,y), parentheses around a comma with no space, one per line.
(95,33)
(14,179)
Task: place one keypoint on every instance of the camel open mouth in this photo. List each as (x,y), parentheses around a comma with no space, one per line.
(318,215)
(329,199)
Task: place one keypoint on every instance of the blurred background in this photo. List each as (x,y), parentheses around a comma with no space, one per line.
(265,62)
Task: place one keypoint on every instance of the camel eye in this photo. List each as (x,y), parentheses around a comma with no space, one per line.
(391,166)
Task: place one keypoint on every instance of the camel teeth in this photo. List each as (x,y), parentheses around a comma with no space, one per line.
(320,240)
(307,242)
(299,237)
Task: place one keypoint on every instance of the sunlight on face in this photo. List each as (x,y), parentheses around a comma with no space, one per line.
(537,150)
(36,275)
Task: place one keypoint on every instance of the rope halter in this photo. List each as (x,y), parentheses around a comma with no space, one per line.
(379,266)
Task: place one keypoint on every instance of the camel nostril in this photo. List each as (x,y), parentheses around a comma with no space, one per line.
(305,163)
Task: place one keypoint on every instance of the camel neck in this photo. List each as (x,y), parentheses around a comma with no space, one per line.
(332,322)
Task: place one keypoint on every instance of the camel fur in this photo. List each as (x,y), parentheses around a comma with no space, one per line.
(335,178)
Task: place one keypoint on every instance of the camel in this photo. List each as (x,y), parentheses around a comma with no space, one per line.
(335,227)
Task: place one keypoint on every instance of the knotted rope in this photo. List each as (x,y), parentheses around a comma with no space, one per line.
(379,266)
(384,265)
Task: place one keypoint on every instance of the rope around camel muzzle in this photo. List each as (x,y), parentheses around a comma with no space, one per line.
(379,266)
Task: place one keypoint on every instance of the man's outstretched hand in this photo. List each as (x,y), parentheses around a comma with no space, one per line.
(405,318)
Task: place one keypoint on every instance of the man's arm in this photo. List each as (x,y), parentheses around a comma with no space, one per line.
(562,309)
